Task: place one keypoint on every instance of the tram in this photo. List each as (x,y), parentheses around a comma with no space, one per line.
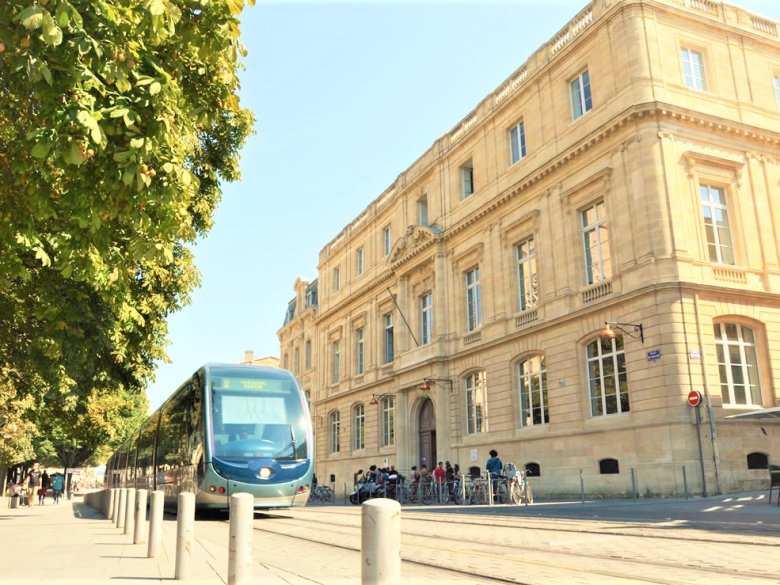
(227,429)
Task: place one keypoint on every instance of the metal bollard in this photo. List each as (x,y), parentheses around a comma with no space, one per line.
(380,545)
(120,517)
(130,512)
(242,514)
(139,537)
(185,532)
(155,523)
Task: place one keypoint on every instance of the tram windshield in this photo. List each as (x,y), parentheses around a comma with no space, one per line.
(257,418)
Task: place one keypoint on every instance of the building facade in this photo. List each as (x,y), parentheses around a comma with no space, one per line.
(464,309)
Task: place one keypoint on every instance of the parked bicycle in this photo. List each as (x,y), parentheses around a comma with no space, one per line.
(322,493)
(515,486)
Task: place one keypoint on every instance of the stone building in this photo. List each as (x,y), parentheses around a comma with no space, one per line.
(466,307)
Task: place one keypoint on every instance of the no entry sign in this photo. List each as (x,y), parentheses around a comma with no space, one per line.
(694,398)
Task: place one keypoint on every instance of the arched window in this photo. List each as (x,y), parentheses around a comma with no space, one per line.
(607,466)
(607,378)
(757,461)
(738,365)
(476,403)
(334,421)
(533,469)
(359,427)
(532,381)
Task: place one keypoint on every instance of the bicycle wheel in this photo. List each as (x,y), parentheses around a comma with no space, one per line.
(426,494)
(457,494)
(502,497)
(516,493)
(529,495)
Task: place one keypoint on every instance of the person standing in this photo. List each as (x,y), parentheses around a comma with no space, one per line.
(494,467)
(33,484)
(58,484)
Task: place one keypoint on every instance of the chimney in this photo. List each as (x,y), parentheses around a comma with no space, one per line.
(249,356)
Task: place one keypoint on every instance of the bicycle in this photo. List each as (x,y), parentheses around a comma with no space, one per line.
(476,491)
(515,486)
(321,493)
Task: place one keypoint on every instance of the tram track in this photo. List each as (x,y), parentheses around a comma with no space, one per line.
(507,552)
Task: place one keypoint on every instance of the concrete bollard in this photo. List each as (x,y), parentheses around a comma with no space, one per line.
(112,501)
(120,517)
(140,517)
(185,534)
(380,545)
(242,515)
(157,505)
(130,512)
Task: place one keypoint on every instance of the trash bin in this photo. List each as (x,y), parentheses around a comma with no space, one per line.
(15,501)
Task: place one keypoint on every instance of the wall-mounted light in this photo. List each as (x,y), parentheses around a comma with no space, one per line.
(375,398)
(426,383)
(609,333)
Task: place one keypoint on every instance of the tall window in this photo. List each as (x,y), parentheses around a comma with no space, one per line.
(517,142)
(607,376)
(359,348)
(422,210)
(716,224)
(467,179)
(693,69)
(595,238)
(336,362)
(335,432)
(387,241)
(426,317)
(777,91)
(307,351)
(738,366)
(297,360)
(527,279)
(359,426)
(532,375)
(359,261)
(473,300)
(336,279)
(476,403)
(581,101)
(388,337)
(388,421)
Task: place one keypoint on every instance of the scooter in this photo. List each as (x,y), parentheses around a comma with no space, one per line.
(364,490)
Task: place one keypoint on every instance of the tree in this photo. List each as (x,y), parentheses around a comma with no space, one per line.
(16,432)
(118,120)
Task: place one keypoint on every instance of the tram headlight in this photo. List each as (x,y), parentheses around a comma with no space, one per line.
(264,473)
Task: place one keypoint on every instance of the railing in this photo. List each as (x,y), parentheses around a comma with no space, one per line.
(597,291)
(463,128)
(510,86)
(472,337)
(735,275)
(707,6)
(526,318)
(764,26)
(575,27)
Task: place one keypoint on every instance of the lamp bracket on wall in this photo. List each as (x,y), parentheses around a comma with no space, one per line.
(426,383)
(637,333)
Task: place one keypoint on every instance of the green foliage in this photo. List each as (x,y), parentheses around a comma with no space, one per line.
(16,432)
(118,120)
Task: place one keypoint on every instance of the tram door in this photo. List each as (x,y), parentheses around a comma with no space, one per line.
(427,426)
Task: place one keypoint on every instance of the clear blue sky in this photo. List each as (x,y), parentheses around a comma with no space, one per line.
(346,95)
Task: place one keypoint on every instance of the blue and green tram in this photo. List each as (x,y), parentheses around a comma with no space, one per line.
(227,429)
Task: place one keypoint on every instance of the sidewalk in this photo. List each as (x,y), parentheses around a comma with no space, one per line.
(70,542)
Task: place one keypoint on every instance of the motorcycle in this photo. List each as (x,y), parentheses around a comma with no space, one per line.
(364,490)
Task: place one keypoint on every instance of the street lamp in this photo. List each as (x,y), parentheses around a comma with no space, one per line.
(608,332)
(426,383)
(375,398)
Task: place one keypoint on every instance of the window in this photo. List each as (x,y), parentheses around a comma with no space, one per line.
(532,376)
(426,317)
(388,341)
(286,361)
(607,376)
(297,360)
(335,432)
(307,395)
(473,300)
(359,347)
(581,101)
(517,142)
(387,241)
(336,279)
(388,421)
(609,466)
(527,280)
(716,224)
(359,261)
(693,69)
(311,295)
(476,403)
(737,364)
(757,461)
(336,363)
(777,91)
(467,179)
(422,210)
(595,238)
(359,426)
(307,352)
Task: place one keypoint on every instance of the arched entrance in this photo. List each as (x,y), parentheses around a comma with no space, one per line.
(427,430)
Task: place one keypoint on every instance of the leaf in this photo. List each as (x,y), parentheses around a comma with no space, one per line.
(123,85)
(72,156)
(52,34)
(32,17)
(123,156)
(40,254)
(155,88)
(156,7)
(137,142)
(44,69)
(41,149)
(118,112)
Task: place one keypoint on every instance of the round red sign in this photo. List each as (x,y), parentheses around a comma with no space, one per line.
(694,398)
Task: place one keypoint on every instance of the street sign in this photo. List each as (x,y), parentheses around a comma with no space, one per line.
(694,398)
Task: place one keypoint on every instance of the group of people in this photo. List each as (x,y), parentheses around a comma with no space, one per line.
(35,486)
